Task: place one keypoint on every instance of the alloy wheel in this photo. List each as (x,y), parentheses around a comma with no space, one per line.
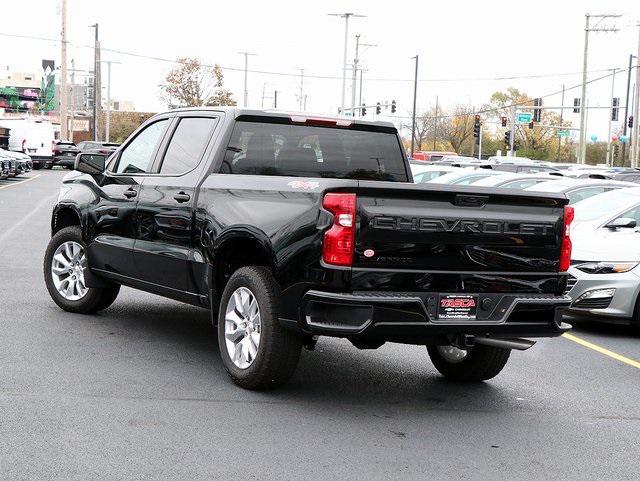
(242,327)
(67,271)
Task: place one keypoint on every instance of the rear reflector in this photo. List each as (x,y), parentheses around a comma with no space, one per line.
(339,240)
(565,249)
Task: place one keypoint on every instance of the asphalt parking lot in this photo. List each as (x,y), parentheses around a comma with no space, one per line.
(139,392)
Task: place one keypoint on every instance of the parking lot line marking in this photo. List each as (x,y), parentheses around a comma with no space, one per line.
(21,182)
(602,350)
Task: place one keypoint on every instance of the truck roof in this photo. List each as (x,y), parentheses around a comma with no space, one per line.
(281,114)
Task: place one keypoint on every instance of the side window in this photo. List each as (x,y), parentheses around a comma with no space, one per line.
(187,145)
(578,195)
(137,156)
(632,214)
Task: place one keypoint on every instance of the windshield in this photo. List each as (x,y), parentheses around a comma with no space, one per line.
(607,204)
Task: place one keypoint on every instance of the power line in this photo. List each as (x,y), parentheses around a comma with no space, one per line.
(317,76)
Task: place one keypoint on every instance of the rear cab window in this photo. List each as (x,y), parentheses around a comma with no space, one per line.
(300,150)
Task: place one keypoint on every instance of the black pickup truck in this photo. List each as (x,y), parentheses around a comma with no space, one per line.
(289,227)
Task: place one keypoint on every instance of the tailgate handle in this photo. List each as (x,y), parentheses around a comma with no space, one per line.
(471,200)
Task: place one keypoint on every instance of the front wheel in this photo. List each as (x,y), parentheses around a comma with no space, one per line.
(65,264)
(477,363)
(257,352)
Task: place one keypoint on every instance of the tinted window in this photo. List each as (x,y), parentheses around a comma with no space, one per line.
(137,156)
(303,151)
(187,145)
(581,194)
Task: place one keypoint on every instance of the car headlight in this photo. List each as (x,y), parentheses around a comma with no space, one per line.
(606,267)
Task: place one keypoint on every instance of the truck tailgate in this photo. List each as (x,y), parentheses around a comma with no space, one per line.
(457,229)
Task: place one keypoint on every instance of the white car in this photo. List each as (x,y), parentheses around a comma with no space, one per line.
(425,173)
(32,136)
(510,180)
(604,278)
(464,176)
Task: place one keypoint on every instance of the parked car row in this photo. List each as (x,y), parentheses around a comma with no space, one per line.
(604,281)
(65,152)
(13,164)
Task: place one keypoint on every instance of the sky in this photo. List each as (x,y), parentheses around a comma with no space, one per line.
(463,48)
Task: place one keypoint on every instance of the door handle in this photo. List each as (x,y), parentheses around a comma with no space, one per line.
(129,193)
(182,197)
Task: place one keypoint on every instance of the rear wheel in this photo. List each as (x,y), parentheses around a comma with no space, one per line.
(257,352)
(477,363)
(65,264)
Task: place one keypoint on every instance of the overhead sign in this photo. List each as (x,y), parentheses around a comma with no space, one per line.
(524,117)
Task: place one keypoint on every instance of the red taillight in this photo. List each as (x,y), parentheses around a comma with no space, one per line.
(339,240)
(565,249)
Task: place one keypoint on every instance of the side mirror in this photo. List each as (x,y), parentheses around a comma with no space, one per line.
(622,223)
(91,164)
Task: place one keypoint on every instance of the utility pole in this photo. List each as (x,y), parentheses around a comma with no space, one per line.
(609,157)
(356,59)
(480,143)
(346,17)
(636,111)
(435,126)
(246,71)
(513,131)
(360,90)
(561,120)
(64,122)
(97,93)
(275,99)
(107,127)
(413,115)
(73,98)
(626,108)
(301,99)
(588,28)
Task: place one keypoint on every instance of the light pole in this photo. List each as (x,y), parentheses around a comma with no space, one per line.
(626,107)
(413,114)
(107,124)
(64,122)
(246,70)
(636,111)
(608,160)
(346,17)
(588,28)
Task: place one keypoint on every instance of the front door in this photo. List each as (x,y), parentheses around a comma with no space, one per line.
(113,216)
(165,210)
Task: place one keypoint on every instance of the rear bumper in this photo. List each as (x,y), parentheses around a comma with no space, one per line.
(412,317)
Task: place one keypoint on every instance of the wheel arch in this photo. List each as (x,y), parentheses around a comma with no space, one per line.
(239,248)
(65,215)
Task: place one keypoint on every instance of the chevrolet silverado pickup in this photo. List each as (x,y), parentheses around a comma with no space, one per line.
(288,227)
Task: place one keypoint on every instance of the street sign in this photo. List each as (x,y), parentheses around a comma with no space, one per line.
(524,117)
(563,133)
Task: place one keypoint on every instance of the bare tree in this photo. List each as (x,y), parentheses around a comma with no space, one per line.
(192,84)
(456,126)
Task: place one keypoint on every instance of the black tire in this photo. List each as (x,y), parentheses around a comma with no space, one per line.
(37,166)
(48,166)
(96,299)
(278,350)
(481,363)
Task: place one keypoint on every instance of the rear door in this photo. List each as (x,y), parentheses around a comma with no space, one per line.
(164,217)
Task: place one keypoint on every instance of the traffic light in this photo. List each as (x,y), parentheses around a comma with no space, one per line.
(363,110)
(503,121)
(507,137)
(537,113)
(531,124)
(476,129)
(393,106)
(614,110)
(576,106)
(378,109)
(630,124)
